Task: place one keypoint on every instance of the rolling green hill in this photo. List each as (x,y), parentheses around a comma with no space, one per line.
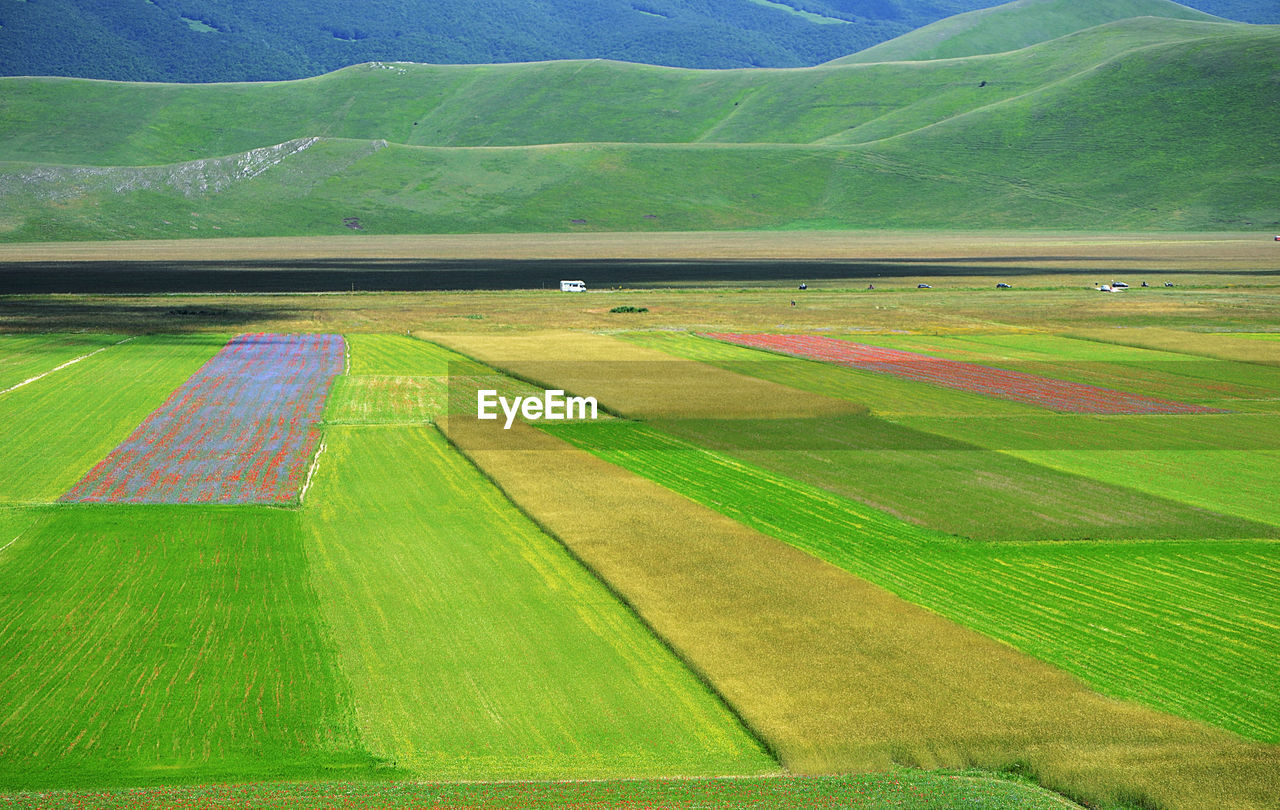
(1146,122)
(1014,25)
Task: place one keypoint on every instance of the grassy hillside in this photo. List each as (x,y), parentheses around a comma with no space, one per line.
(123,124)
(1142,123)
(1014,25)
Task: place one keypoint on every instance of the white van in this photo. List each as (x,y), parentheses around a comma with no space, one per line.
(573,286)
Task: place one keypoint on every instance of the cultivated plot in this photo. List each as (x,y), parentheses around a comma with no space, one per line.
(154,644)
(637,381)
(845,692)
(24,357)
(475,646)
(392,379)
(54,430)
(240,430)
(1183,626)
(1045,392)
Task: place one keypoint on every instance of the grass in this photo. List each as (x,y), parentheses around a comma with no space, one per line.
(393,379)
(152,645)
(843,692)
(476,648)
(1181,626)
(924,790)
(544,103)
(1119,126)
(959,487)
(25,356)
(1238,348)
(56,429)
(1011,26)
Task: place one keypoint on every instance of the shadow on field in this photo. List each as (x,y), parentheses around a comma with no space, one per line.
(394,275)
(61,315)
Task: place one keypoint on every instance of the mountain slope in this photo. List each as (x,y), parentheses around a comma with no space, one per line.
(222,40)
(1143,123)
(1015,25)
(101,123)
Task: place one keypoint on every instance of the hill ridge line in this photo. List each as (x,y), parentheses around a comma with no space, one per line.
(1033,91)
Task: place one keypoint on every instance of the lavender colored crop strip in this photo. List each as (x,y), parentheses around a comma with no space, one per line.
(240,430)
(1046,392)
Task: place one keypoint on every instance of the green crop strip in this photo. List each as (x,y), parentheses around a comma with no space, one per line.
(54,430)
(1186,627)
(155,644)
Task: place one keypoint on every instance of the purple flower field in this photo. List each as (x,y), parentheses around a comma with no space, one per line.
(240,430)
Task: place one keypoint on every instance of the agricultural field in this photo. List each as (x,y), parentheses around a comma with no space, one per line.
(839,583)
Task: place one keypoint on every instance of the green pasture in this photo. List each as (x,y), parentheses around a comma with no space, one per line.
(13,522)
(378,399)
(1115,127)
(598,101)
(1008,27)
(54,430)
(25,356)
(1186,627)
(398,355)
(163,644)
(393,379)
(920,790)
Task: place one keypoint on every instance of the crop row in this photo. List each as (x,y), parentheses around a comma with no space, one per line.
(1046,392)
(240,430)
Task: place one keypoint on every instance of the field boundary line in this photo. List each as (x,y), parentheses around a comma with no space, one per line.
(71,362)
(14,540)
(690,666)
(315,464)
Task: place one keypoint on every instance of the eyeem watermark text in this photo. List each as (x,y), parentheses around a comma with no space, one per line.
(553,404)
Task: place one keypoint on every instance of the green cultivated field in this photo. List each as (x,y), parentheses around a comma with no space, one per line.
(56,429)
(475,646)
(167,644)
(409,622)
(25,356)
(925,470)
(1184,627)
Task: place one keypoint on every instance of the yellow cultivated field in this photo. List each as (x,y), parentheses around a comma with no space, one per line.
(1245,348)
(838,675)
